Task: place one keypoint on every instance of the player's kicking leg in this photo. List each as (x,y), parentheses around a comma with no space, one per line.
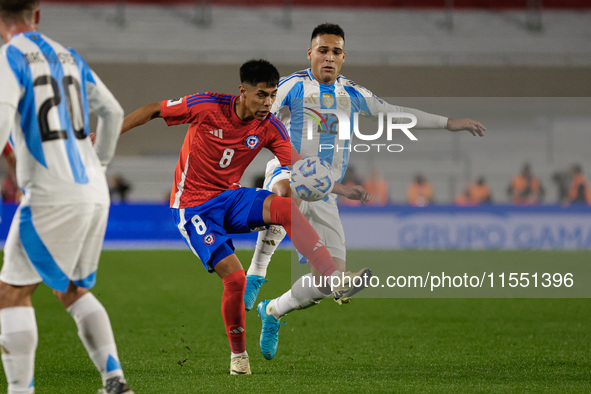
(310,288)
(303,294)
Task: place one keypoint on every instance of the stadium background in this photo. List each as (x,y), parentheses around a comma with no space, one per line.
(419,53)
(513,65)
(149,52)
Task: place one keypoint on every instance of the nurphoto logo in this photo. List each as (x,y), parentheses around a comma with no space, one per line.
(336,121)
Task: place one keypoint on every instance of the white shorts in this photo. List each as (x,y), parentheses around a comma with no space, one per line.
(55,244)
(322,215)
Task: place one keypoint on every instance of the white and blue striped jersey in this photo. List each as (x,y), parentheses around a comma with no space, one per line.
(299,99)
(46,94)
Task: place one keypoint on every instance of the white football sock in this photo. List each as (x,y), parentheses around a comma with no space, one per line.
(94,329)
(234,355)
(19,342)
(303,294)
(267,243)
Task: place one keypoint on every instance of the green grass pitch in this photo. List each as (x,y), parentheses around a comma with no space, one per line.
(165,311)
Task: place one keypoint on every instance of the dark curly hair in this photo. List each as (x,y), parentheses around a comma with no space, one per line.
(254,72)
(328,28)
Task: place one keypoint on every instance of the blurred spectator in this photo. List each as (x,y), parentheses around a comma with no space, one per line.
(351,178)
(463,199)
(562,179)
(475,193)
(119,188)
(525,188)
(579,191)
(378,188)
(479,192)
(420,192)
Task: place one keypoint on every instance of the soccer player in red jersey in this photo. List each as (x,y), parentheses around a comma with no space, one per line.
(226,132)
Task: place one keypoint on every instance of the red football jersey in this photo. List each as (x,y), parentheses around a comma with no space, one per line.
(218,146)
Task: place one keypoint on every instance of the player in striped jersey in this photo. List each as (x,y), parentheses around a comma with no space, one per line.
(301,95)
(226,132)
(46,94)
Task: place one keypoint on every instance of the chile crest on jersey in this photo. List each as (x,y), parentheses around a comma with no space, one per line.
(209,239)
(252,141)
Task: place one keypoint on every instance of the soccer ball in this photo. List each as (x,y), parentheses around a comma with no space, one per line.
(311,178)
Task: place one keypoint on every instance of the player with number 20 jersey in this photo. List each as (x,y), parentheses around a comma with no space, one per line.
(46,94)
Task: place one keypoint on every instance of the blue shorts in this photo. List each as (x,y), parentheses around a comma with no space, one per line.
(205,228)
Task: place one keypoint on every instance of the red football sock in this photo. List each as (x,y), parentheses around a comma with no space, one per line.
(233,310)
(303,236)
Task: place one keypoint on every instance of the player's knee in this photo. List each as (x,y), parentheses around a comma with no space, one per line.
(11,296)
(282,189)
(71,295)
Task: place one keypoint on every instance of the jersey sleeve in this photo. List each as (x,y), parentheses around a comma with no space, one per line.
(279,143)
(281,99)
(10,88)
(110,114)
(372,105)
(290,88)
(178,111)
(105,106)
(100,99)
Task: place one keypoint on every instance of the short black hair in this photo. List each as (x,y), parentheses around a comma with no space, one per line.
(15,9)
(254,72)
(328,28)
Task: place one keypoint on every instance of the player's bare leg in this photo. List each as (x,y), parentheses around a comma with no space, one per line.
(232,275)
(19,336)
(96,334)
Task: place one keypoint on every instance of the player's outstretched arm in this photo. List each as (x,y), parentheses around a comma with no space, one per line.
(356,192)
(137,118)
(141,116)
(473,126)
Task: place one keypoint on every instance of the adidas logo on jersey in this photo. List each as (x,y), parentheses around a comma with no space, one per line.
(217,133)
